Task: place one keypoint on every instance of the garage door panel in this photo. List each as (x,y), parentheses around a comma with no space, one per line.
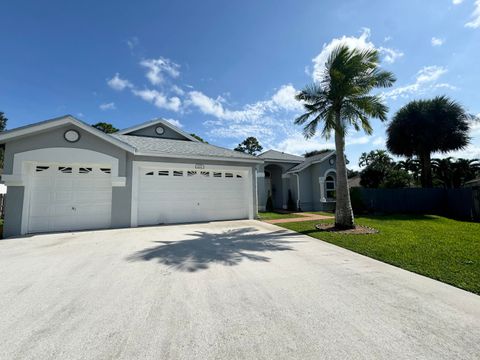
(171,199)
(73,199)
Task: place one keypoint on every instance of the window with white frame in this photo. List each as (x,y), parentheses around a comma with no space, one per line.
(330,187)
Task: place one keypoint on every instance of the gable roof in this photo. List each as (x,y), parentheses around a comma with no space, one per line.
(280,156)
(155,122)
(59,121)
(312,160)
(139,145)
(148,146)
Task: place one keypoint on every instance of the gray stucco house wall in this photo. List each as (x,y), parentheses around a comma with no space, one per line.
(125,152)
(64,175)
(305,178)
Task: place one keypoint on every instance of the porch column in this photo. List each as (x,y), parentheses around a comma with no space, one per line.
(321,180)
(285,187)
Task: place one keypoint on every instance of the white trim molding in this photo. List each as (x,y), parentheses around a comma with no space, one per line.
(157,122)
(53,123)
(321,181)
(59,155)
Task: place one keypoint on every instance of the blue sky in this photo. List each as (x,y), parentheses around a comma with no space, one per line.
(227,70)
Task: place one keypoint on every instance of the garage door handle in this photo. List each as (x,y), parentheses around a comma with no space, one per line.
(74,208)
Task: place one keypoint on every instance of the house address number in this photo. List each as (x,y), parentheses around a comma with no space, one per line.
(199,166)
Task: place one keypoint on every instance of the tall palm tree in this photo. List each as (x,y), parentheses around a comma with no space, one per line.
(423,127)
(342,99)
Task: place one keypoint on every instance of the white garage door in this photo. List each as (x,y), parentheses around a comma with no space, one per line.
(182,195)
(67,197)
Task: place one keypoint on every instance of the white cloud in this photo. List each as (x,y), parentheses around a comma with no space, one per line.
(437,41)
(282,100)
(430,73)
(379,141)
(362,42)
(297,144)
(475,126)
(475,22)
(158,67)
(118,83)
(159,99)
(457,2)
(178,90)
(425,81)
(175,122)
(107,106)
(242,131)
(353,42)
(472,151)
(390,55)
(132,42)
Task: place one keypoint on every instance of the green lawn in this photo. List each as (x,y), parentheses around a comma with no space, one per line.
(443,249)
(272,215)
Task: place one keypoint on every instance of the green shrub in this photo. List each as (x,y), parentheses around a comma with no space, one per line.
(269,205)
(290,203)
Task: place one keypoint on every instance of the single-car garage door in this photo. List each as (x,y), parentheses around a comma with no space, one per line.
(67,197)
(189,195)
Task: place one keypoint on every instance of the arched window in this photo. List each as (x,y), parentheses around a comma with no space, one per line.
(330,187)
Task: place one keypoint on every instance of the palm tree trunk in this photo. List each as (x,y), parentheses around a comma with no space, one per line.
(343,210)
(426,163)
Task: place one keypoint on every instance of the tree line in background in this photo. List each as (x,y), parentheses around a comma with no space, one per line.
(381,171)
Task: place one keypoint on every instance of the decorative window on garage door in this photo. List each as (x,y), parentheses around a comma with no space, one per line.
(189,173)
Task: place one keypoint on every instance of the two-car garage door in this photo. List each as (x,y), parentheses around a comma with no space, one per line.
(169,195)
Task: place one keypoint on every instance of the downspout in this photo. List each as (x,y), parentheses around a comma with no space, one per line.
(298,191)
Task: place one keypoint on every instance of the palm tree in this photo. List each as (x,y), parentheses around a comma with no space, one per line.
(465,170)
(342,99)
(425,126)
(443,171)
(410,165)
(454,174)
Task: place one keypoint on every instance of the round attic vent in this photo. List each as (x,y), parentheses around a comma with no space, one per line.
(159,130)
(71,135)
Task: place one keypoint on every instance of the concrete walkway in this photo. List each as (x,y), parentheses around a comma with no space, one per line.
(301,217)
(225,290)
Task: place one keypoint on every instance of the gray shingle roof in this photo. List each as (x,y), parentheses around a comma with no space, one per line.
(280,156)
(158,147)
(311,160)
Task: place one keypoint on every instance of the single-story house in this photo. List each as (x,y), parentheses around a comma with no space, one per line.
(62,174)
(310,182)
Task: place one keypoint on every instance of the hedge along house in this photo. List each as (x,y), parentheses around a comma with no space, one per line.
(63,175)
(310,182)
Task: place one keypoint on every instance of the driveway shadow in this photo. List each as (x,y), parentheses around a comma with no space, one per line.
(227,248)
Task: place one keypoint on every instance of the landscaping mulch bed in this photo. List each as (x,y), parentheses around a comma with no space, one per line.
(359,229)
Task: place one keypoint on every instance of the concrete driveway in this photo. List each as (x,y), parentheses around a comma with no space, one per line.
(226,290)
